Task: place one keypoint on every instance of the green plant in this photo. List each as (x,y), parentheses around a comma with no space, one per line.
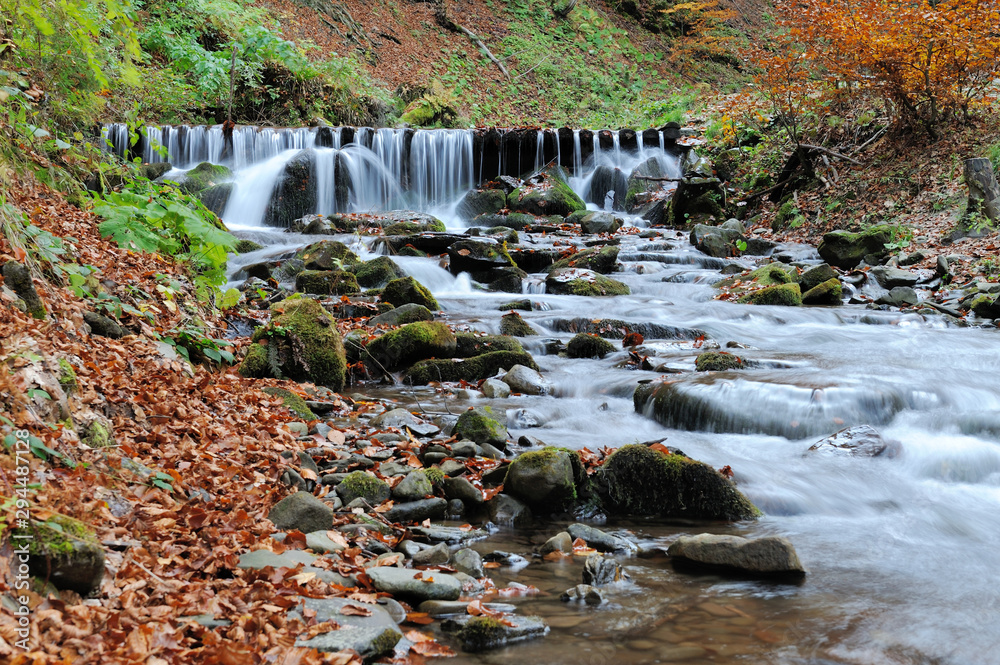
(191,340)
(902,237)
(162,480)
(39,449)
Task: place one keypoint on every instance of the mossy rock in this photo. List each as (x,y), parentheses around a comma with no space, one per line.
(435,475)
(377,272)
(481,425)
(408,290)
(482,634)
(523,305)
(766,275)
(985,306)
(513,325)
(466,369)
(846,250)
(637,184)
(415,341)
(645,482)
(327,282)
(246,246)
(67,377)
(18,278)
(542,478)
(829,292)
(361,485)
(327,255)
(410,227)
(470,344)
(718,361)
(514,220)
(292,402)
(787,295)
(481,202)
(302,344)
(696,201)
(410,250)
(203,176)
(67,553)
(815,276)
(545,193)
(599,259)
(585,345)
(576,282)
(400,316)
(503,234)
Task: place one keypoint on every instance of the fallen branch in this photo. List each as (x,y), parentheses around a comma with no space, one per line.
(764,192)
(445,21)
(655,179)
(832,153)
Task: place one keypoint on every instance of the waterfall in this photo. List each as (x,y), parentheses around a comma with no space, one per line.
(577,155)
(539,150)
(440,165)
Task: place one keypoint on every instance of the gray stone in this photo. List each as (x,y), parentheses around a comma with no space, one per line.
(468,561)
(104,326)
(889,277)
(561,542)
(815,276)
(438,608)
(432,556)
(542,477)
(405,313)
(582,593)
(401,418)
(452,467)
(370,636)
(360,485)
(318,541)
(860,441)
(900,296)
(67,554)
(417,511)
(771,555)
(527,381)
(495,389)
(406,583)
(455,508)
(437,533)
(482,633)
(464,448)
(413,487)
(599,570)
(599,540)
(483,424)
(259,559)
(506,510)
(303,512)
(463,489)
(409,548)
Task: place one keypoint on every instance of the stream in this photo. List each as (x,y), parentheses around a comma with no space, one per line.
(902,550)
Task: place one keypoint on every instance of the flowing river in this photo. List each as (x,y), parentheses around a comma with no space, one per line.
(902,550)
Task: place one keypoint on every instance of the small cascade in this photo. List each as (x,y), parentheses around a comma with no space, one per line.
(577,154)
(441,165)
(252,194)
(540,151)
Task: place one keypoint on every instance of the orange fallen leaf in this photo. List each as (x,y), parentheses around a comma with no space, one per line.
(355,611)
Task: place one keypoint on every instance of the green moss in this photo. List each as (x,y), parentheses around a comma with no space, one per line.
(67,376)
(513,325)
(552,197)
(58,536)
(414,341)
(718,361)
(255,365)
(292,402)
(507,235)
(435,475)
(585,345)
(829,292)
(590,284)
(408,290)
(482,634)
(407,228)
(545,463)
(480,425)
(467,369)
(327,282)
(359,484)
(327,255)
(643,481)
(470,344)
(767,275)
(410,250)
(205,175)
(785,214)
(98,435)
(788,295)
(845,250)
(378,272)
(524,305)
(247,246)
(599,259)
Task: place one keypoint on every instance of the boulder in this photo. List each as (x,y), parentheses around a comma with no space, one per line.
(718,361)
(326,282)
(326,255)
(480,258)
(484,633)
(545,193)
(600,570)
(599,259)
(471,344)
(598,539)
(399,316)
(582,593)
(846,250)
(512,325)
(302,512)
(483,425)
(414,584)
(815,276)
(514,220)
(371,634)
(507,510)
(104,326)
(636,185)
(466,369)
(578,282)
(495,389)
(377,272)
(542,478)
(204,176)
(296,192)
(216,197)
(408,290)
(403,419)
(413,487)
(18,278)
(526,380)
(858,441)
(302,344)
(900,296)
(404,346)
(889,277)
(586,345)
(561,542)
(417,511)
(618,329)
(696,201)
(596,221)
(468,561)
(481,202)
(767,556)
(788,295)
(829,292)
(461,488)
(66,552)
(361,485)
(604,181)
(642,481)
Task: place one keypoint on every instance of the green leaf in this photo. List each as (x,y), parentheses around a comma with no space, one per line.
(36,392)
(229,299)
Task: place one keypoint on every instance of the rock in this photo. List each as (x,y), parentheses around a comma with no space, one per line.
(470,344)
(889,277)
(466,369)
(900,296)
(542,478)
(599,259)
(506,510)
(846,250)
(643,481)
(439,608)
(104,326)
(413,584)
(481,202)
(408,290)
(326,255)
(696,201)
(452,535)
(216,197)
(432,556)
(598,539)
(985,306)
(545,193)
(245,246)
(462,489)
(788,295)
(293,403)
(18,278)
(302,512)
(485,633)
(859,441)
(260,559)
(360,485)
(203,176)
(617,329)
(599,570)
(770,555)
(413,487)
(815,276)
(512,325)
(482,424)
(468,561)
(296,193)
(415,341)
(606,180)
(398,316)
(561,542)
(636,185)
(377,272)
(718,361)
(579,282)
(417,511)
(319,542)
(65,552)
(480,258)
(371,635)
(495,389)
(829,292)
(586,345)
(403,419)
(582,593)
(526,380)
(595,222)
(299,330)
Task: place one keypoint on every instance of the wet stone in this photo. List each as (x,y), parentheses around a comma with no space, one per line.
(413,584)
(582,593)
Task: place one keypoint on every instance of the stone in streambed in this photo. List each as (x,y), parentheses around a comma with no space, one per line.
(596,221)
(466,369)
(718,361)
(545,193)
(829,292)
(507,510)
(360,485)
(900,296)
(495,389)
(481,202)
(483,425)
(815,276)
(468,561)
(326,255)
(408,290)
(526,380)
(766,556)
(787,295)
(377,272)
(846,250)
(542,478)
(432,556)
(302,512)
(463,489)
(561,542)
(603,260)
(430,585)
(598,539)
(512,325)
(401,418)
(582,593)
(399,316)
(579,282)
(413,487)
(485,633)
(370,636)
(600,570)
(860,441)
(889,277)
(417,511)
(413,342)
(586,345)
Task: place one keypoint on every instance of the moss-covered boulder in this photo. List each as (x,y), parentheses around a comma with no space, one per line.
(482,425)
(404,346)
(599,259)
(585,345)
(829,292)
(361,485)
(545,193)
(400,316)
(815,276)
(471,344)
(481,202)
(696,201)
(377,272)
(292,402)
(408,290)
(478,257)
(296,192)
(542,478)
(718,361)
(203,176)
(300,343)
(845,250)
(513,325)
(466,369)
(18,278)
(246,246)
(67,553)
(595,221)
(413,226)
(577,282)
(766,275)
(327,282)
(788,295)
(640,481)
(326,255)
(514,220)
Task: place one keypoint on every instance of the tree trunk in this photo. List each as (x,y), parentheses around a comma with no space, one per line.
(984,192)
